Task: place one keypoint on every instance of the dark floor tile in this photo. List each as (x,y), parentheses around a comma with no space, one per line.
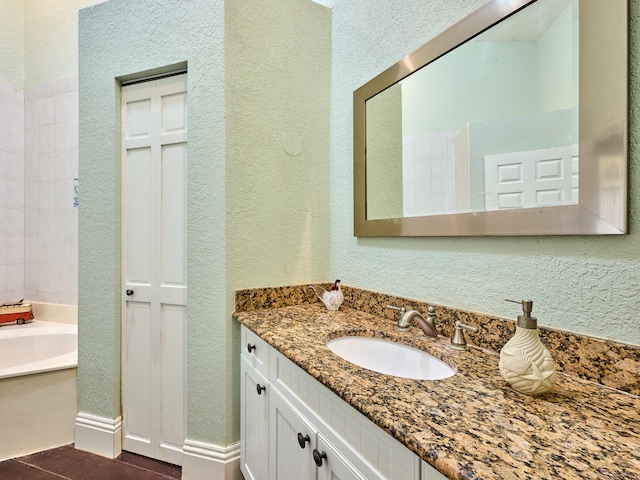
(79,465)
(171,471)
(14,470)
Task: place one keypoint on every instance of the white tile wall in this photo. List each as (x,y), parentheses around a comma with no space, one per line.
(429,167)
(12,167)
(50,219)
(11,119)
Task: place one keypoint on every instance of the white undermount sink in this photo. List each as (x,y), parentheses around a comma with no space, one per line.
(390,358)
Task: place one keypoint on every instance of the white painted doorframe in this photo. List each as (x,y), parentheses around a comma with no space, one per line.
(154,154)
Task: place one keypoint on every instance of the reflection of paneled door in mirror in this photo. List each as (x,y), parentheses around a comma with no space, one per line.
(533,178)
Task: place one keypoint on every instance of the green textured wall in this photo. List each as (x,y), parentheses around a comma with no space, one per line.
(119,38)
(277,88)
(258,75)
(587,285)
(259,216)
(277,76)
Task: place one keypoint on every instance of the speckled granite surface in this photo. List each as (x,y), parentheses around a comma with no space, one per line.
(609,363)
(472,425)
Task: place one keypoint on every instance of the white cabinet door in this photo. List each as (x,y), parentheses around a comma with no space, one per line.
(292,441)
(254,422)
(154,185)
(334,466)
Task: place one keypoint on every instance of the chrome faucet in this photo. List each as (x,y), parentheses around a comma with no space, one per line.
(427,325)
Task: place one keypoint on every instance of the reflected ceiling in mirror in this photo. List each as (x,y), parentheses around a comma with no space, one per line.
(498,127)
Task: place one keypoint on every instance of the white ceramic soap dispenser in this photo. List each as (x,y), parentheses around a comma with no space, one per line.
(524,361)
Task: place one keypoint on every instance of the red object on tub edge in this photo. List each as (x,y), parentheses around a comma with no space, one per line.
(18,312)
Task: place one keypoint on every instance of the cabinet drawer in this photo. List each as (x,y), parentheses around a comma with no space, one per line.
(255,350)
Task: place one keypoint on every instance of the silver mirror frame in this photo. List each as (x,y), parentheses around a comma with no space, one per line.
(603,134)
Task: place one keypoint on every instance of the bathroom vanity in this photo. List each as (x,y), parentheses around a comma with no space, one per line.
(295,428)
(300,401)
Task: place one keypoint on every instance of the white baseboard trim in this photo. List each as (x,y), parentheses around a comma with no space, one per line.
(99,435)
(205,461)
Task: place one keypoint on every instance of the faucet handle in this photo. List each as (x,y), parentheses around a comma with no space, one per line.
(398,309)
(402,311)
(458,342)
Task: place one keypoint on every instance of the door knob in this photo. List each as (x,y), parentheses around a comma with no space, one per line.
(260,388)
(129,293)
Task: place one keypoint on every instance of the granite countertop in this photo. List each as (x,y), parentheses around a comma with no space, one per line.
(471,425)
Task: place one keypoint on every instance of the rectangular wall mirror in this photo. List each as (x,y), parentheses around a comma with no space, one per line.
(511,122)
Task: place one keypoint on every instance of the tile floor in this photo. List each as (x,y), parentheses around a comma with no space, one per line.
(67,463)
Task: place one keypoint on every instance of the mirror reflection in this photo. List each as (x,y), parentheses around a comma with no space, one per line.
(491,125)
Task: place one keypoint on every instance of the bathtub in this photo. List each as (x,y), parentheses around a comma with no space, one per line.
(38,375)
(37,347)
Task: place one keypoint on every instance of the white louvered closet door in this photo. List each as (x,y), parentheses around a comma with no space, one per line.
(154,168)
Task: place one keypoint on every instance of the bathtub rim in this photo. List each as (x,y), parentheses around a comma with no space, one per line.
(43,327)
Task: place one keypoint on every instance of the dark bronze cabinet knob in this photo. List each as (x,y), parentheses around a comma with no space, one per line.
(260,388)
(303,439)
(250,347)
(317,457)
